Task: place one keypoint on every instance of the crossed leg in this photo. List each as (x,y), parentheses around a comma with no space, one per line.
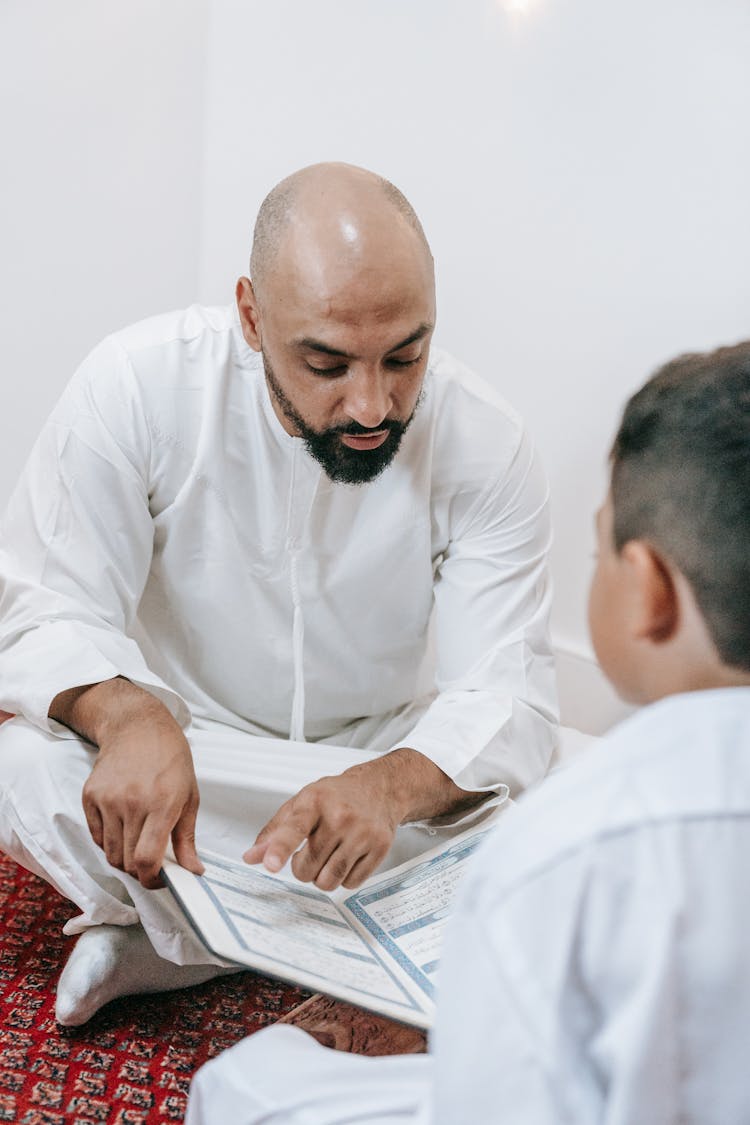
(133,939)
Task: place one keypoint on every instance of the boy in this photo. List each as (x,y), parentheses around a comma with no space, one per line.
(597,967)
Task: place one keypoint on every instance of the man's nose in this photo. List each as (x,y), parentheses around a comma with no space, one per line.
(368,396)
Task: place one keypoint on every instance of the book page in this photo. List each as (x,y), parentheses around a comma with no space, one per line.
(290,930)
(405,910)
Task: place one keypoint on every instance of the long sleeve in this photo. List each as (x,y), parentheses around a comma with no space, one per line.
(76,547)
(249,1085)
(494,719)
(150,537)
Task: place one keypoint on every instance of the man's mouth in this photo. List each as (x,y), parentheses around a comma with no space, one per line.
(365,441)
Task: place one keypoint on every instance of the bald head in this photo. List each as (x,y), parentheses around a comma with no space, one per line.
(334,215)
(341,306)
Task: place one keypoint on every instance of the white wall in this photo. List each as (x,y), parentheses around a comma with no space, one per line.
(581,168)
(101,159)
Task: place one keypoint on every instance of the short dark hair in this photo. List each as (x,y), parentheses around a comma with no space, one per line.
(681,480)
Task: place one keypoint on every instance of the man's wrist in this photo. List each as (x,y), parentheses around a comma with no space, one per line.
(415,787)
(100,711)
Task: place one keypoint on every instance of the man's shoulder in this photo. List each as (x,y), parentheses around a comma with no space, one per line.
(197,347)
(161,367)
(455,387)
(681,761)
(474,433)
(186,326)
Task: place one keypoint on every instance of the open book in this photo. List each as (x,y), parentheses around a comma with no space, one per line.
(377,947)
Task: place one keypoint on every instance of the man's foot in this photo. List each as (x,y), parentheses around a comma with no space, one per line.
(112,961)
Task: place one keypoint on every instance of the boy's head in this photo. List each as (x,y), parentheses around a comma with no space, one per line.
(670,600)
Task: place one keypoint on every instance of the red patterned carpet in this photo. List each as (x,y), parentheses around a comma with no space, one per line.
(131,1064)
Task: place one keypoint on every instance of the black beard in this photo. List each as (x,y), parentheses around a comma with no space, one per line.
(340,462)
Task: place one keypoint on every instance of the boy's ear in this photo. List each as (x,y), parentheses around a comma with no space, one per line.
(654,605)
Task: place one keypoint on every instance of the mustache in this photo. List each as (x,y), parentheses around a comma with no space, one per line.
(357,430)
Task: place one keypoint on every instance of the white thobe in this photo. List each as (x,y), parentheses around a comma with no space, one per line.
(596,968)
(167,529)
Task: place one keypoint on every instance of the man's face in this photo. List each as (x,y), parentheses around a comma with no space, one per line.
(345,353)
(349,452)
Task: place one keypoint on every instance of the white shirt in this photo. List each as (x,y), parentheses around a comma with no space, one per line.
(169,530)
(596,970)
(597,967)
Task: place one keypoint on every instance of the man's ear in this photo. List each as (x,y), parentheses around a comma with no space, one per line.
(247,305)
(654,605)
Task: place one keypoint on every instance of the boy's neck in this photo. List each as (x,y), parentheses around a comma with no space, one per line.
(703,676)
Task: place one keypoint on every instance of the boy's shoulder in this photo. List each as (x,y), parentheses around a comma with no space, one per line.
(683,758)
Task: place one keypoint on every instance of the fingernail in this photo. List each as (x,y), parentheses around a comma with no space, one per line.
(273,863)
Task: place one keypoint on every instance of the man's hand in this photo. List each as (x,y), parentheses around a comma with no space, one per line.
(347,823)
(142,789)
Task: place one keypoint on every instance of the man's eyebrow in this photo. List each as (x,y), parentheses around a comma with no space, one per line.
(311,344)
(418,333)
(308,343)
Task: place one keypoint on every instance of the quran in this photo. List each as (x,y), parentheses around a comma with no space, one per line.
(377,947)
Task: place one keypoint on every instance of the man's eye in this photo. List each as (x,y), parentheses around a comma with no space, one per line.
(394,362)
(339,369)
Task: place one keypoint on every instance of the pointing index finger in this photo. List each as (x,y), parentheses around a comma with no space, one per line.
(277,842)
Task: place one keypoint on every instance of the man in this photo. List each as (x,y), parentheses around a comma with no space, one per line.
(241,520)
(596,967)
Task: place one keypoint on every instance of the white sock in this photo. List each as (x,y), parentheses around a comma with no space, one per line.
(112,961)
